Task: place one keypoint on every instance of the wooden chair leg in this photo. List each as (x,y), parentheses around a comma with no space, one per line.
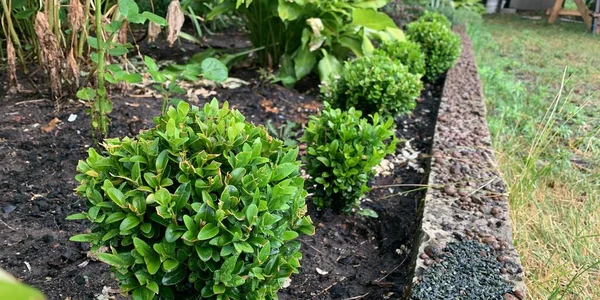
(555,10)
(585,13)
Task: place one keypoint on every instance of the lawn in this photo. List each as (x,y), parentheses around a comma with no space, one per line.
(541,83)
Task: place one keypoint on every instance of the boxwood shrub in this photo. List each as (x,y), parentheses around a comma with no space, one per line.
(374,84)
(430,16)
(203,205)
(342,149)
(405,52)
(440,45)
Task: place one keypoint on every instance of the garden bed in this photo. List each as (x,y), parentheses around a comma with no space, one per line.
(362,256)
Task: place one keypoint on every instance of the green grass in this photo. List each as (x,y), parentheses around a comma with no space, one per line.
(541,84)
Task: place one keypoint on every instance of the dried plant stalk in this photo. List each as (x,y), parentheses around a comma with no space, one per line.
(153,31)
(11,59)
(175,20)
(73,68)
(122,37)
(51,54)
(76,16)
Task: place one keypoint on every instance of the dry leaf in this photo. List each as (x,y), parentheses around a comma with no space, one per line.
(122,38)
(153,31)
(267,105)
(12,66)
(51,125)
(76,15)
(51,54)
(316,25)
(73,69)
(175,20)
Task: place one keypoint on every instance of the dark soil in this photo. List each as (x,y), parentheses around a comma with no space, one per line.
(363,256)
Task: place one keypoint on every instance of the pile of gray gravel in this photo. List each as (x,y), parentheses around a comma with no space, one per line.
(465,270)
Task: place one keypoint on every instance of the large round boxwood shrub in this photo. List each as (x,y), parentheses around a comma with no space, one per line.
(431,16)
(204,205)
(405,52)
(374,84)
(441,46)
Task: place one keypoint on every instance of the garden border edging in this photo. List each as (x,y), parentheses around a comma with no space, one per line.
(466,197)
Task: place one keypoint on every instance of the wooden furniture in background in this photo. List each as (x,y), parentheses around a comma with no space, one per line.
(582,11)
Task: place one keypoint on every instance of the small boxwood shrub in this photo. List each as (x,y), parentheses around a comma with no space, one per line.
(374,84)
(203,205)
(430,16)
(405,52)
(441,46)
(342,149)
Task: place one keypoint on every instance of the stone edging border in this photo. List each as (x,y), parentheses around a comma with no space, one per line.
(467,198)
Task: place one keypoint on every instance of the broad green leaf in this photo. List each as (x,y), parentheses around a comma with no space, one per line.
(129,223)
(289,235)
(372,19)
(169,265)
(282,171)
(86,93)
(79,216)
(304,62)
(208,231)
(84,238)
(175,277)
(251,212)
(142,248)
(155,18)
(117,197)
(328,66)
(113,260)
(213,69)
(128,8)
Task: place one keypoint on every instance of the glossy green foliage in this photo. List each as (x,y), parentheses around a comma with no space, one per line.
(374,84)
(300,36)
(440,44)
(405,52)
(430,16)
(11,288)
(203,205)
(342,149)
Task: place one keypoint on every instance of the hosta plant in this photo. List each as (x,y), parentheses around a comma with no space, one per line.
(374,84)
(441,46)
(342,149)
(302,36)
(204,205)
(405,52)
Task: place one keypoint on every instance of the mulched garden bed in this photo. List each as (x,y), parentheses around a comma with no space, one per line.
(348,257)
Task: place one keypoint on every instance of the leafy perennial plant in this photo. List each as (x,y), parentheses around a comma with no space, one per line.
(342,149)
(204,204)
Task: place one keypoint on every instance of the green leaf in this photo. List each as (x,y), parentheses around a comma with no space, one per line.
(152,264)
(175,277)
(84,238)
(161,161)
(304,62)
(153,286)
(87,94)
(155,18)
(251,212)
(150,63)
(283,170)
(205,253)
(129,223)
(118,51)
(213,69)
(208,232)
(113,260)
(115,217)
(163,197)
(117,197)
(128,8)
(169,265)
(328,66)
(79,216)
(289,235)
(367,212)
(142,248)
(372,19)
